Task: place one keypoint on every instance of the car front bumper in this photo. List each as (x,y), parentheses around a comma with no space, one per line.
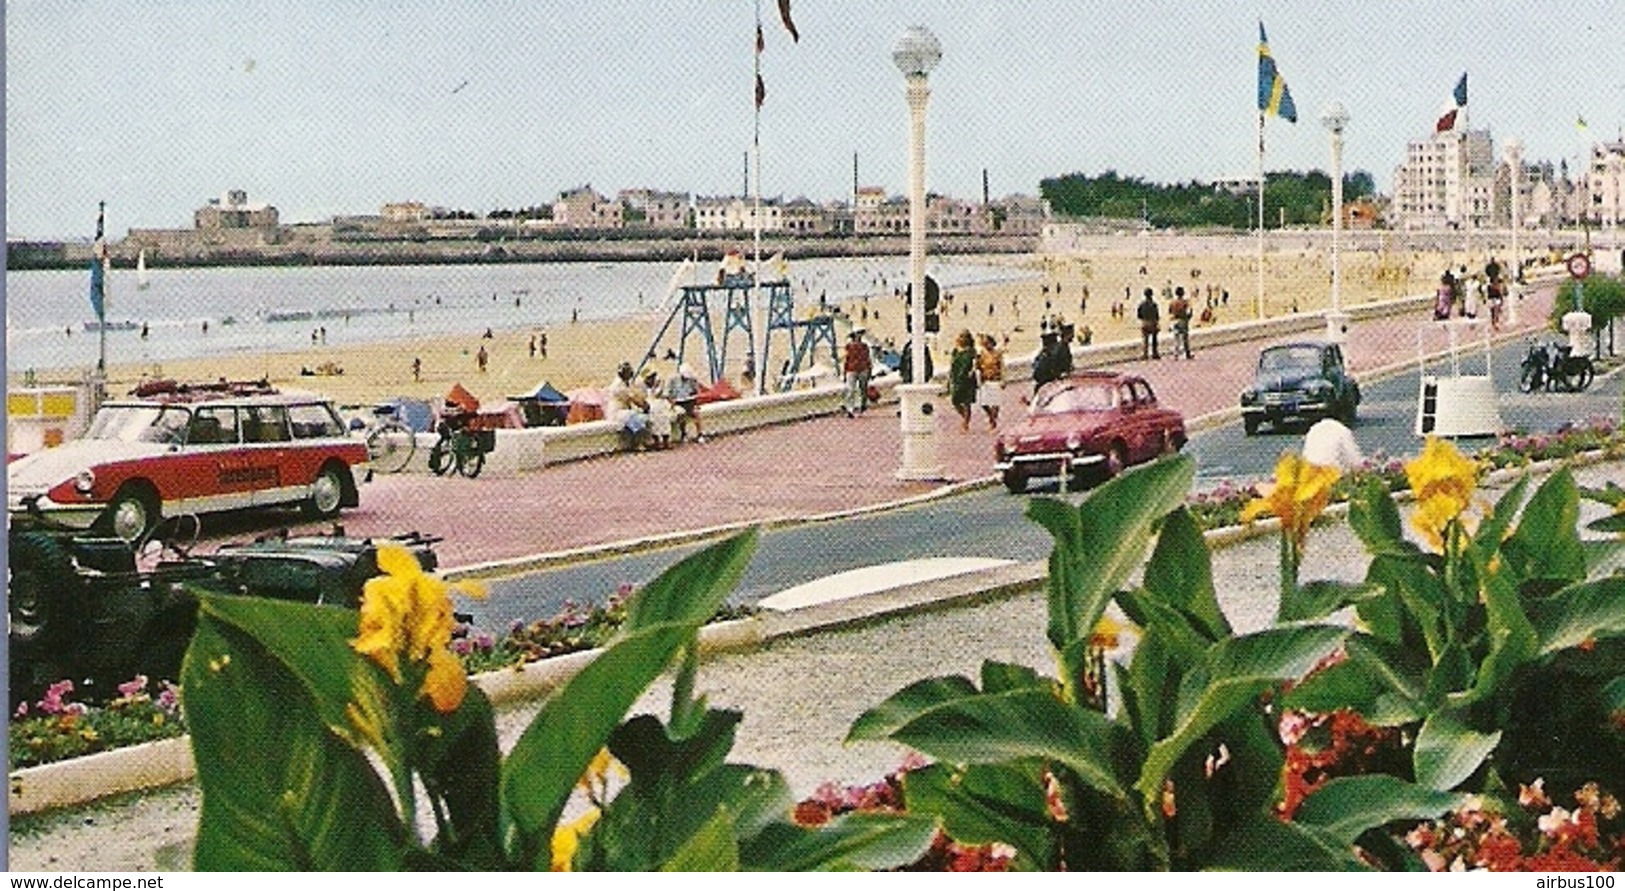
(39,510)
(1046,463)
(1286,409)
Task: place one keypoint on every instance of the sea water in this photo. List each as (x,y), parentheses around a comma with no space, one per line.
(194,312)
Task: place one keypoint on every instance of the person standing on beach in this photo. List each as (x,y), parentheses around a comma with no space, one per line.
(1150,323)
(962,377)
(481,358)
(533,346)
(417,368)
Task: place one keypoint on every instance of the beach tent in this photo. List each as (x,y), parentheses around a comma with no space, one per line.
(587,404)
(462,398)
(543,407)
(416,414)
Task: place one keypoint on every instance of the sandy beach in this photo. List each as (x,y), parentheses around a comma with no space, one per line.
(1078,287)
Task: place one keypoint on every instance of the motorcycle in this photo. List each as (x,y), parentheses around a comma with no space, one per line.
(1555,368)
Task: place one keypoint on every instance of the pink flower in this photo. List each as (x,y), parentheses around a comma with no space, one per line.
(22,710)
(133,687)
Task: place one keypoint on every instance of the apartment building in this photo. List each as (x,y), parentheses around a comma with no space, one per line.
(583,208)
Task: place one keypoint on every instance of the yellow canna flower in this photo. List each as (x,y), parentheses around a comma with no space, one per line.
(598,770)
(406,613)
(567,839)
(1442,480)
(1299,494)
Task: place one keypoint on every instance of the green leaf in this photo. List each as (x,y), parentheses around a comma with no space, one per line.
(1512,639)
(863,841)
(881,721)
(576,721)
(312,643)
(1610,523)
(999,677)
(1448,751)
(1492,529)
(1578,613)
(1318,599)
(712,849)
(1028,723)
(1181,574)
(1267,844)
(280,792)
(1102,541)
(1238,670)
(1374,681)
(1375,520)
(1546,544)
(691,591)
(989,803)
(460,764)
(1348,806)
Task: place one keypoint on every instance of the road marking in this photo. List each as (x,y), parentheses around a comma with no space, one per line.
(872,579)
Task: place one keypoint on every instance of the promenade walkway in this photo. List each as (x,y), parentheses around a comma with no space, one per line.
(797,471)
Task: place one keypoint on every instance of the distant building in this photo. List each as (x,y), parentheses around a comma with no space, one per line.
(404,212)
(1604,181)
(1447,181)
(232,211)
(731,214)
(803,217)
(583,208)
(651,209)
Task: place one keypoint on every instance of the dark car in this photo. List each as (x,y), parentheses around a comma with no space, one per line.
(1092,424)
(1300,382)
(80,608)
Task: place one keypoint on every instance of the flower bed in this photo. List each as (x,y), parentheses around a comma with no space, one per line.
(56,728)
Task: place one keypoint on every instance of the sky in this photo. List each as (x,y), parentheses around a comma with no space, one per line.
(340,106)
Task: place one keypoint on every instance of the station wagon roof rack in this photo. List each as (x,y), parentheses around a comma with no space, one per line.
(202,389)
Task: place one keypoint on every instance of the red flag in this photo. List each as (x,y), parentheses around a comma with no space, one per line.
(1446,122)
(761,91)
(784,13)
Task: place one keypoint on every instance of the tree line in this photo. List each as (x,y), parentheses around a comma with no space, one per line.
(1305,199)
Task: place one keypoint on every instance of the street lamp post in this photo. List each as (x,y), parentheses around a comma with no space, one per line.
(916,53)
(1514,150)
(1335,117)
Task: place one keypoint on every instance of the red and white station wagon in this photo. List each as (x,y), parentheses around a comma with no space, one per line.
(177,449)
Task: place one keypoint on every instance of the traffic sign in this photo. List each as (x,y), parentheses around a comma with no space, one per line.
(1579,265)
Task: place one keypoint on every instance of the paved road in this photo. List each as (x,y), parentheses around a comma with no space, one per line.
(990,522)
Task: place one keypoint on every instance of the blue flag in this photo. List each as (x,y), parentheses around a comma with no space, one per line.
(98,269)
(1273,96)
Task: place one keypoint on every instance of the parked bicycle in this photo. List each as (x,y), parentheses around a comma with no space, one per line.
(458,449)
(1555,368)
(390,441)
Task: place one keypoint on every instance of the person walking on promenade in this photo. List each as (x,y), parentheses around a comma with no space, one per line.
(962,377)
(990,370)
(1054,359)
(1180,312)
(1150,323)
(855,369)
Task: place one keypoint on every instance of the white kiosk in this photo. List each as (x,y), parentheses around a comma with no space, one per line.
(1454,403)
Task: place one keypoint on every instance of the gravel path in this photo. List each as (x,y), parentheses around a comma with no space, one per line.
(799,696)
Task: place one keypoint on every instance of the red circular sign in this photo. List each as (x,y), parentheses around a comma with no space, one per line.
(1579,265)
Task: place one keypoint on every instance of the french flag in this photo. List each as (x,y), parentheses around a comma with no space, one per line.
(1447,121)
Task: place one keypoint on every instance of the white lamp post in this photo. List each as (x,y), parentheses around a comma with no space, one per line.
(1335,117)
(916,53)
(1514,150)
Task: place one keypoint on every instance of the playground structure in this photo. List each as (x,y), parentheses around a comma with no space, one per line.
(697,306)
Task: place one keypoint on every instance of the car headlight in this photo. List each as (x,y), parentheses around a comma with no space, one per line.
(1073,440)
(84,481)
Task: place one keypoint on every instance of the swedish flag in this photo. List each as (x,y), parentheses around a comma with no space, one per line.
(1273,96)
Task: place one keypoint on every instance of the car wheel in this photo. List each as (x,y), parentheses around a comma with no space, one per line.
(40,583)
(1015,481)
(1116,460)
(326,494)
(1172,442)
(472,464)
(1249,426)
(1583,376)
(132,515)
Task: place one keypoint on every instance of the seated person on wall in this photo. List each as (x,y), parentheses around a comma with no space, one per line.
(628,408)
(683,391)
(661,411)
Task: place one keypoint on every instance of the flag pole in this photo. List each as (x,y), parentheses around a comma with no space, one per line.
(762,314)
(1258,305)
